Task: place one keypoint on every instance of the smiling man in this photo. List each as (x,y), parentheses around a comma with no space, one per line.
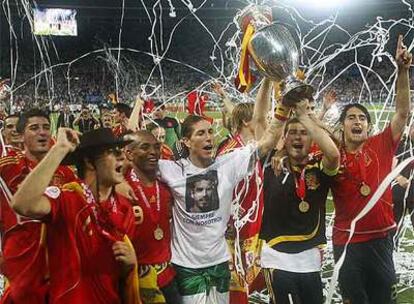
(368,274)
(152,218)
(12,138)
(27,273)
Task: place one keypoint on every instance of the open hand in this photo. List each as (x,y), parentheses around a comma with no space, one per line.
(402,57)
(301,108)
(329,99)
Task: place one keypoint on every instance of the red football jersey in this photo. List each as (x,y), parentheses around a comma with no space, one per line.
(148,218)
(24,263)
(166,152)
(377,157)
(249,233)
(80,237)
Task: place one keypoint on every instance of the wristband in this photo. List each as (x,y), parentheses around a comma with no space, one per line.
(282,112)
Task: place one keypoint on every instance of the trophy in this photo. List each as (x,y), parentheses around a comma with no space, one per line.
(274,52)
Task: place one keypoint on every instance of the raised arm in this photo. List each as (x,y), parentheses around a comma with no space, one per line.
(271,136)
(261,108)
(133,122)
(329,149)
(29,200)
(329,99)
(402,100)
(228,104)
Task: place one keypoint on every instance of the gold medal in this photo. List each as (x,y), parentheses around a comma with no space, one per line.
(304,207)
(365,190)
(158,233)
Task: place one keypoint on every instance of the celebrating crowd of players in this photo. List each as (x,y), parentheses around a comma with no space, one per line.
(122,214)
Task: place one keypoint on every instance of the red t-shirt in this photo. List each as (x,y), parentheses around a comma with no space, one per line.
(24,263)
(150,250)
(249,233)
(80,238)
(166,152)
(249,192)
(377,156)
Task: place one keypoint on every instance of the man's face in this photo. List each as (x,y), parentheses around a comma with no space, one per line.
(85,113)
(11,137)
(311,107)
(107,121)
(201,194)
(109,167)
(159,112)
(200,144)
(36,135)
(119,117)
(355,126)
(145,153)
(159,134)
(297,142)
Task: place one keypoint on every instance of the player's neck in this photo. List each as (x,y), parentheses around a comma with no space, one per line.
(104,190)
(298,161)
(35,157)
(246,135)
(200,162)
(353,147)
(146,178)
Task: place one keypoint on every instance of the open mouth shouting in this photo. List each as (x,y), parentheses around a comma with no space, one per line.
(356,130)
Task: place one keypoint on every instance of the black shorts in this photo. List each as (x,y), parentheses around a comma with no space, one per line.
(291,287)
(368,274)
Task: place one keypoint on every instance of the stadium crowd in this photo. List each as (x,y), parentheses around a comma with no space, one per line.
(130,205)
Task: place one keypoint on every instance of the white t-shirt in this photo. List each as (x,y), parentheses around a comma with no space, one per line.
(202,204)
(302,262)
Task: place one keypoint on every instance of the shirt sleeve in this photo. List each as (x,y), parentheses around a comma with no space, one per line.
(240,162)
(384,142)
(166,169)
(56,197)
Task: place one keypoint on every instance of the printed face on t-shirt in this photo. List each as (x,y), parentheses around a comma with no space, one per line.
(355,126)
(201,193)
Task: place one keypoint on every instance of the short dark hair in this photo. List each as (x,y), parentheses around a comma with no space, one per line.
(24,118)
(354,105)
(289,122)
(123,108)
(152,126)
(187,126)
(11,116)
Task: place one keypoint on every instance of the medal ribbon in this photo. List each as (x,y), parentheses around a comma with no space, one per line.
(90,199)
(154,217)
(362,168)
(301,185)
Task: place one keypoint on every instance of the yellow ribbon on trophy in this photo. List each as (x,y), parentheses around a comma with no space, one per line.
(244,78)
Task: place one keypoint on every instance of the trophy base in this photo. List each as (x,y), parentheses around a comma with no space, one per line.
(293,94)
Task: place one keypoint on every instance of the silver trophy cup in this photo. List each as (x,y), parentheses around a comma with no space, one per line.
(276,56)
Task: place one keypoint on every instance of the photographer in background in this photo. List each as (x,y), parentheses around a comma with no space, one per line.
(85,122)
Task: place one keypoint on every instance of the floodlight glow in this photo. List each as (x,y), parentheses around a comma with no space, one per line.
(322,3)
